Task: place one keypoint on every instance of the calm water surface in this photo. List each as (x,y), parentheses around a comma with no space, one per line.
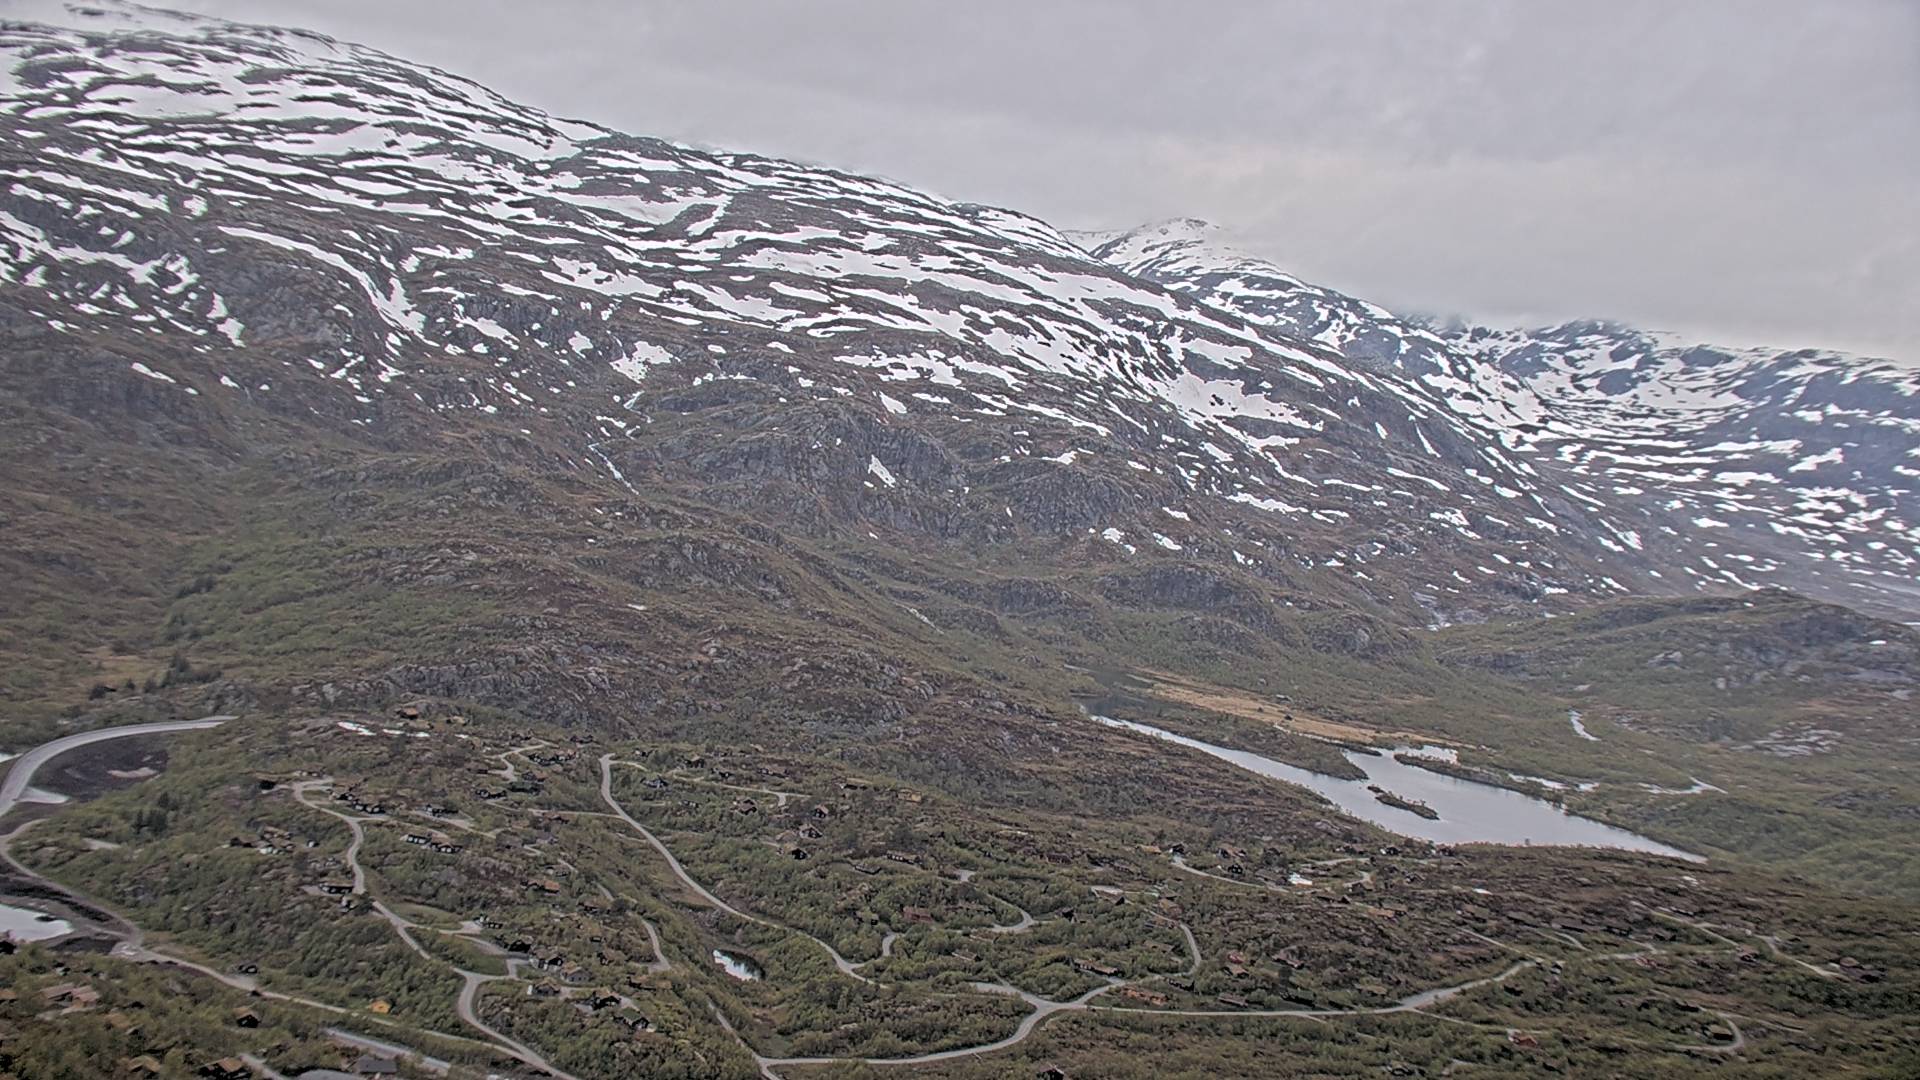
(1469,812)
(26,924)
(740,967)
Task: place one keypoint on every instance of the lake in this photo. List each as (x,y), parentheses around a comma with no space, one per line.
(25,924)
(740,967)
(1470,813)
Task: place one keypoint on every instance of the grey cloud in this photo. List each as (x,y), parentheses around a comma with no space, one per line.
(1743,170)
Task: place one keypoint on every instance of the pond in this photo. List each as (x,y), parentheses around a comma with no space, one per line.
(740,967)
(25,924)
(1469,812)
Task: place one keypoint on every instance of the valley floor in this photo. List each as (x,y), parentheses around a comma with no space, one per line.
(952,956)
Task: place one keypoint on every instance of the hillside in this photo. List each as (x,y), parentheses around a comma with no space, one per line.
(659,605)
(1701,467)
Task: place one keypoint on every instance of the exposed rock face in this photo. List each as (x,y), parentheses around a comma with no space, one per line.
(250,242)
(1709,465)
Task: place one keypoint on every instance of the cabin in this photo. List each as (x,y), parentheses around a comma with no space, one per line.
(375,1065)
(227,1068)
(917,915)
(380,1007)
(246,1018)
(142,1066)
(72,995)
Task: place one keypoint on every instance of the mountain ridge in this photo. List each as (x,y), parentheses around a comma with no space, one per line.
(666,601)
(1607,399)
(868,347)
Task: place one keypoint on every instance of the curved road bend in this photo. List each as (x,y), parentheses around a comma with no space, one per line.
(21,774)
(847,967)
(470,981)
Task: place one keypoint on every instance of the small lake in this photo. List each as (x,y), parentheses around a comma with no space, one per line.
(740,967)
(1470,813)
(25,924)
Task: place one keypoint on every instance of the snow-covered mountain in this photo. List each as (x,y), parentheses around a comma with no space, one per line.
(229,221)
(1747,466)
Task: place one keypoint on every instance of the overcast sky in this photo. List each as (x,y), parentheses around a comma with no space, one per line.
(1747,171)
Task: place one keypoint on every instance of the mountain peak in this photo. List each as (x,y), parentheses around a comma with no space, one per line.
(1177,228)
(461,260)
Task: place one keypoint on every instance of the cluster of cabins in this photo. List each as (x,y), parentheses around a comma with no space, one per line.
(272,840)
(434,843)
(74,997)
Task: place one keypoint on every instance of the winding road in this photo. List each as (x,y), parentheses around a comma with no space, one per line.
(23,768)
(847,967)
(470,981)
(131,946)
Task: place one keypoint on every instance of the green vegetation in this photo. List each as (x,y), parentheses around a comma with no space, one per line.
(454,635)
